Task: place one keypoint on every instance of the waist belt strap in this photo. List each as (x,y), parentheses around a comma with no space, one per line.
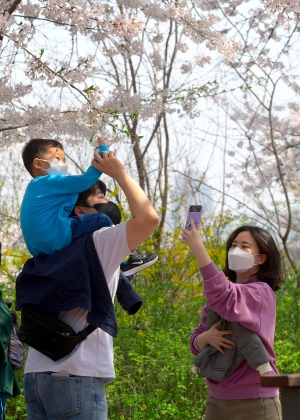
(82,335)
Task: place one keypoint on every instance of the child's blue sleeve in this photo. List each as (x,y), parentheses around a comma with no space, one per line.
(60,184)
(70,184)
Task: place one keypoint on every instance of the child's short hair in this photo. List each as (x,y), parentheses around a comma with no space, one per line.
(36,148)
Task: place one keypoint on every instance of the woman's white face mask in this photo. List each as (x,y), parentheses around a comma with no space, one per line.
(240,261)
(57,167)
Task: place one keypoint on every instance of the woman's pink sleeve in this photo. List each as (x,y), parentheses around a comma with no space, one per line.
(198,330)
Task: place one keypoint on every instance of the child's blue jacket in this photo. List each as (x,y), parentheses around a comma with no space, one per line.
(46,207)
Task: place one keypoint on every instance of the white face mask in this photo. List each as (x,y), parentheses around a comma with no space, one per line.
(240,261)
(57,167)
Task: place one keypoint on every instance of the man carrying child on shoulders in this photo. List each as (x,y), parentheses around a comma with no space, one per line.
(73,386)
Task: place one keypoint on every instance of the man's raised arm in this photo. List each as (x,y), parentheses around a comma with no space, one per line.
(144,218)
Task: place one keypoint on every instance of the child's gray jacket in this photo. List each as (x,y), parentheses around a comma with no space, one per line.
(210,363)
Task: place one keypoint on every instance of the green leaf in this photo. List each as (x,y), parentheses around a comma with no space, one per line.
(134,115)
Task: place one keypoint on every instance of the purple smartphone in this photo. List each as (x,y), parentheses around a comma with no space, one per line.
(195,213)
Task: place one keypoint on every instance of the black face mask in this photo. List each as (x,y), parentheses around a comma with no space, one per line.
(111,210)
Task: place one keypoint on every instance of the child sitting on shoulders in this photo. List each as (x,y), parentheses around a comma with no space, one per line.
(50,197)
(46,221)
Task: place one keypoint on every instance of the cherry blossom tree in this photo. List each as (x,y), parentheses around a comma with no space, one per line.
(121,29)
(259,124)
(161,80)
(283,8)
(122,69)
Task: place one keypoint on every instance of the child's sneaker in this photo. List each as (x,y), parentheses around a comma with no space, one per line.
(137,263)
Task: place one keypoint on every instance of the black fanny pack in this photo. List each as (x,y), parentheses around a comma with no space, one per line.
(47,334)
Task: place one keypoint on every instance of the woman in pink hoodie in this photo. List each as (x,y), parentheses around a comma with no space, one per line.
(253,268)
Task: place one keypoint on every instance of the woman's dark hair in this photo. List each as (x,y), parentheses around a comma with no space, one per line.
(36,148)
(270,271)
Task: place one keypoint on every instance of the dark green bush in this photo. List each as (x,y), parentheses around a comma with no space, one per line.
(154,378)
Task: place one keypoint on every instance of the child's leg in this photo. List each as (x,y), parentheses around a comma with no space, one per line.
(88,223)
(136,263)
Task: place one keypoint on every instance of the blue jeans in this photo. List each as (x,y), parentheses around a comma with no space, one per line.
(88,223)
(50,397)
(3,398)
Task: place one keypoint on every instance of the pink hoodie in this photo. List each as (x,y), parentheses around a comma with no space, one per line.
(253,305)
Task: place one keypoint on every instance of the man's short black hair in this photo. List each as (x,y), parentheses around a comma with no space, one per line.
(36,148)
(84,195)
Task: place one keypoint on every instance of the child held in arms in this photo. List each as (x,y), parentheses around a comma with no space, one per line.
(46,221)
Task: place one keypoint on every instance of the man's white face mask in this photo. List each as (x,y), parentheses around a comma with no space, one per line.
(240,261)
(57,167)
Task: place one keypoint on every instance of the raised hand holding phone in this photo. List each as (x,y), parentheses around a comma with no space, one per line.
(195,213)
(192,238)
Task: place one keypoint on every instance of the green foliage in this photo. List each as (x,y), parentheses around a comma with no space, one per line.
(154,378)
(288,356)
(15,409)
(115,114)
(288,310)
(287,339)
(12,262)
